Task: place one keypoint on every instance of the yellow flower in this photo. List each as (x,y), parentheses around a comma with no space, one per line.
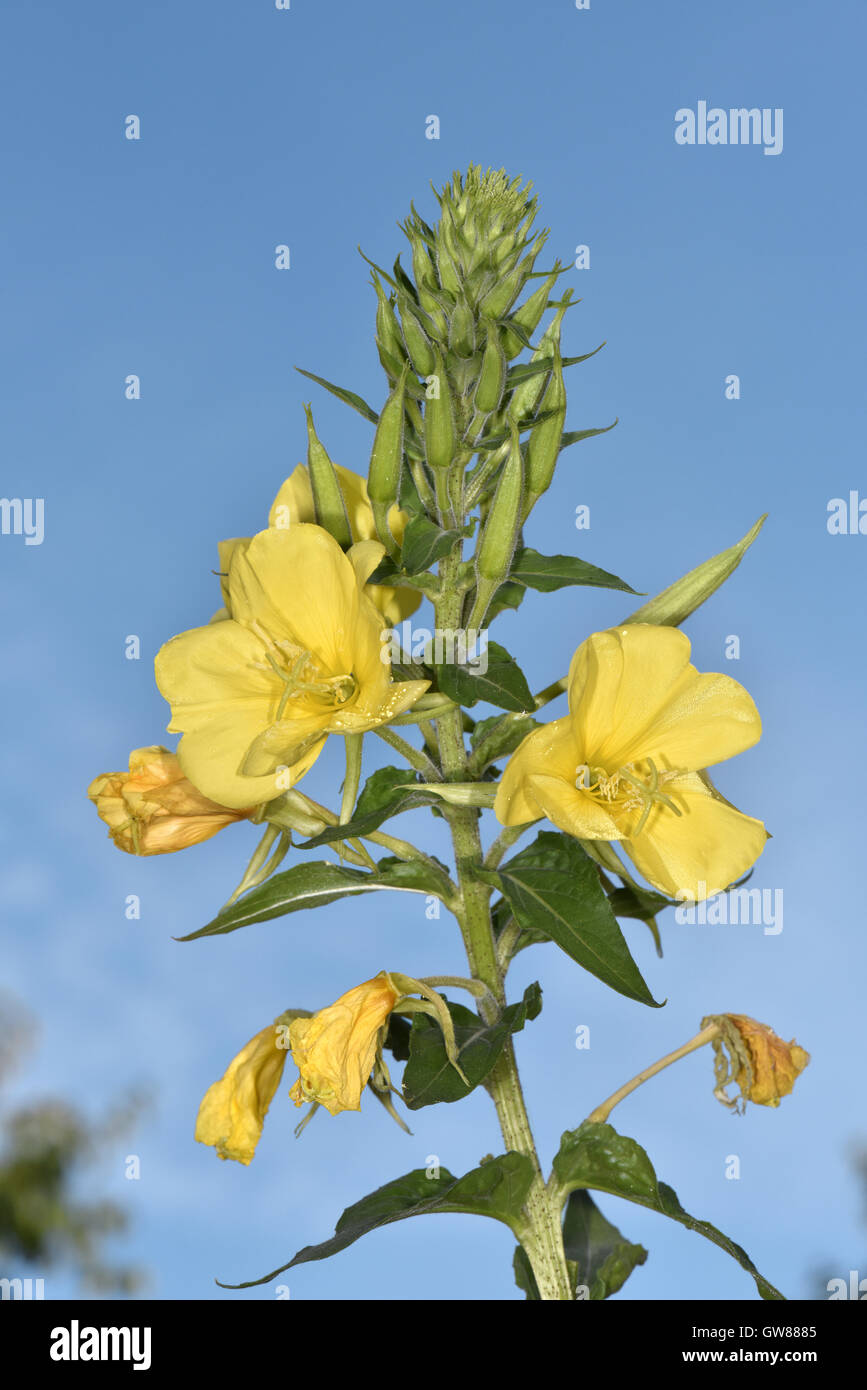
(154,808)
(294,503)
(232,1113)
(763,1066)
(256,695)
(626,763)
(335,1050)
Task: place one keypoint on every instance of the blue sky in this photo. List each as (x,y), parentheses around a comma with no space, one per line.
(156,257)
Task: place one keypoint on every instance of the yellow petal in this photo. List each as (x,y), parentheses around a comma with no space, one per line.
(700,852)
(298,586)
(571,809)
(294,501)
(551,751)
(225,551)
(335,1049)
(233,1110)
(222,694)
(619,680)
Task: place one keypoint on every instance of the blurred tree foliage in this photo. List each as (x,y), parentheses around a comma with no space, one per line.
(45,1148)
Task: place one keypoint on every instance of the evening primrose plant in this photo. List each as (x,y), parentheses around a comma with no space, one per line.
(613,798)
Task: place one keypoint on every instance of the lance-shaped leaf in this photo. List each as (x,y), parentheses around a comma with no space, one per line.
(348,397)
(604,1259)
(596,1156)
(314,885)
(429,1076)
(553,887)
(495,737)
(576,436)
(598,1257)
(497,1189)
(549,572)
(424,543)
(502,684)
(385,794)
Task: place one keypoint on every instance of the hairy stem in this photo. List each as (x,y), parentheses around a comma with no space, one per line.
(544,1241)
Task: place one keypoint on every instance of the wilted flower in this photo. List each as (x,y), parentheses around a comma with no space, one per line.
(626,763)
(154,808)
(752,1056)
(233,1110)
(335,1050)
(256,695)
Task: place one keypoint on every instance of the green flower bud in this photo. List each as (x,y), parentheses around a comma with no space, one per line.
(528,393)
(462,330)
(499,300)
(499,537)
(543,447)
(492,377)
(386,459)
(440,438)
(529,314)
(674,604)
(417,342)
(388,335)
(328,503)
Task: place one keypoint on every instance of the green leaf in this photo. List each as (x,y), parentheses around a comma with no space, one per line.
(549,572)
(604,1258)
(496,737)
(497,1189)
(424,543)
(314,885)
(552,886)
(576,436)
(385,795)
(524,1276)
(348,397)
(596,1156)
(509,595)
(640,903)
(503,683)
(429,1076)
(525,371)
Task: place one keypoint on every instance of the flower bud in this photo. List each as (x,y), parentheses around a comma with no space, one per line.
(417,342)
(674,604)
(528,393)
(462,329)
(386,460)
(752,1056)
(492,377)
(154,808)
(388,336)
(440,438)
(543,446)
(328,502)
(500,533)
(529,314)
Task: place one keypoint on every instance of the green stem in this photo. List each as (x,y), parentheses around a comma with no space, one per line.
(414,756)
(543,1242)
(504,841)
(353,776)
